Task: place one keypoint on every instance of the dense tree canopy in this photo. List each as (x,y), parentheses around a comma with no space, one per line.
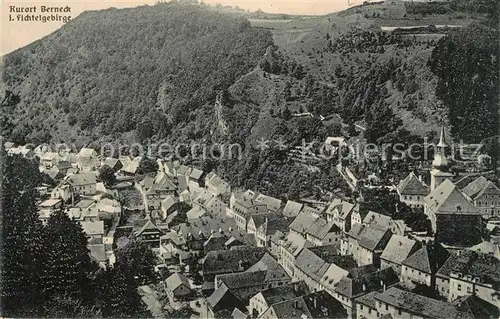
(467,65)
(47,271)
(147,68)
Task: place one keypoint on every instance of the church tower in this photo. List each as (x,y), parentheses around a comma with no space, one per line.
(440,164)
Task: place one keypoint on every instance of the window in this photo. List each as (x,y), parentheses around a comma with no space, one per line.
(361,307)
(386,306)
(399,312)
(459,287)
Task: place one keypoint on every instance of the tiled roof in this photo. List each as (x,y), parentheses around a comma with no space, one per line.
(147,224)
(276,224)
(474,264)
(411,185)
(479,187)
(269,264)
(487,247)
(420,305)
(196,174)
(93,228)
(370,237)
(243,279)
(87,152)
(398,249)
(476,306)
(312,211)
(447,199)
(203,227)
(260,219)
(209,176)
(238,314)
(227,261)
(311,264)
(360,285)
(315,305)
(291,308)
(373,218)
(48,156)
(63,165)
(223,298)
(247,198)
(273,204)
(84,203)
(292,209)
(314,226)
(195,213)
(490,189)
(295,243)
(428,259)
(176,280)
(339,267)
(130,165)
(343,208)
(50,202)
(281,293)
(322,305)
(368,299)
(82,179)
(214,180)
(182,181)
(474,187)
(111,162)
(184,170)
(374,238)
(168,202)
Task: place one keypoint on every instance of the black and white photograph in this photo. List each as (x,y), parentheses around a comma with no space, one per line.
(231,159)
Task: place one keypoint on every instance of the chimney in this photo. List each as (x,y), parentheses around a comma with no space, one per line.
(382,284)
(240,265)
(315,301)
(364,287)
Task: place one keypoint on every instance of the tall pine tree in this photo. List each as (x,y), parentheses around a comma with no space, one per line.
(69,268)
(138,259)
(22,242)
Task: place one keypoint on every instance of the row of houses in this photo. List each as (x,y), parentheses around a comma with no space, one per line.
(365,264)
(78,193)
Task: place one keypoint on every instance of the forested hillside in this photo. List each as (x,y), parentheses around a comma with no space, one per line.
(110,72)
(47,270)
(380,75)
(152,74)
(467,65)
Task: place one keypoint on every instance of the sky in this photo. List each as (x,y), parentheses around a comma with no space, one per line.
(16,34)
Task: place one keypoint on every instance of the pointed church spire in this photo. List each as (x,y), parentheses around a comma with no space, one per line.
(440,161)
(442,141)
